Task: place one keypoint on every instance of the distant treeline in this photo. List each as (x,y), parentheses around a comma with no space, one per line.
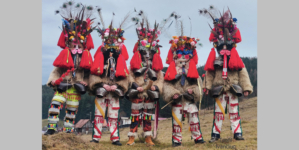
(87,102)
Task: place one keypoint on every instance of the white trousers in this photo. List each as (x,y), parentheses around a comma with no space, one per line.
(113,107)
(233,109)
(191,112)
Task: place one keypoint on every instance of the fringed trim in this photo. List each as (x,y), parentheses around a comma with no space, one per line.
(149,105)
(194,127)
(219,116)
(100,120)
(234,116)
(137,106)
(176,129)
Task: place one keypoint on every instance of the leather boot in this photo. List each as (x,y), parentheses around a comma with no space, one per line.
(176,144)
(116,143)
(50,132)
(214,137)
(131,140)
(148,140)
(238,136)
(95,141)
(199,141)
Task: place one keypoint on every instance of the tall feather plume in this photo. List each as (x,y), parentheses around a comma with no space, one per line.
(177,27)
(101,17)
(125,20)
(182,28)
(165,21)
(190,26)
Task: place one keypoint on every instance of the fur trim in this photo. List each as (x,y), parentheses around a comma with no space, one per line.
(214,78)
(159,81)
(169,91)
(132,134)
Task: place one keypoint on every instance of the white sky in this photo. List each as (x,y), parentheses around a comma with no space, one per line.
(244,10)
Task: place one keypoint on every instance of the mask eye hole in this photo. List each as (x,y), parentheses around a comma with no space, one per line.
(180,62)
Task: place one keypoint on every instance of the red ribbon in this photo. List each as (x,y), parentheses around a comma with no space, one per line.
(225,53)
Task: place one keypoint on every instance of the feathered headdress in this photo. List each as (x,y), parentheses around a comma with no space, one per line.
(148,40)
(76,27)
(112,38)
(224,36)
(182,46)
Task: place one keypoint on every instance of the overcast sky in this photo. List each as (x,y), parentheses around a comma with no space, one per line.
(245,11)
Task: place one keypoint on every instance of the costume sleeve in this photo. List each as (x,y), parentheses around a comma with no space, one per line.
(169,91)
(93,80)
(123,84)
(55,74)
(244,81)
(159,82)
(194,87)
(79,75)
(208,80)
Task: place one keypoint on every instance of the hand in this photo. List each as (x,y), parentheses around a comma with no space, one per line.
(113,87)
(207,92)
(84,83)
(190,91)
(175,96)
(246,93)
(107,87)
(153,88)
(53,82)
(140,89)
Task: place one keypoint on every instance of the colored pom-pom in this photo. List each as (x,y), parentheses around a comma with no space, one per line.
(203,75)
(64,59)
(210,61)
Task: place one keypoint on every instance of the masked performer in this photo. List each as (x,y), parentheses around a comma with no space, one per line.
(226,77)
(146,81)
(69,77)
(182,86)
(108,80)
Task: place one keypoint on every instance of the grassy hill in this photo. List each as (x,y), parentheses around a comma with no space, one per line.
(248,112)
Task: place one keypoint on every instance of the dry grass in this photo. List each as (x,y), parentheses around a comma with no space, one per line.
(248,112)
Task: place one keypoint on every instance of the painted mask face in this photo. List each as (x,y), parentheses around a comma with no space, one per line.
(182,62)
(76,48)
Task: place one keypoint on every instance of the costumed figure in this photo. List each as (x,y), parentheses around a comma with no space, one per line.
(146,81)
(69,78)
(108,80)
(182,85)
(226,77)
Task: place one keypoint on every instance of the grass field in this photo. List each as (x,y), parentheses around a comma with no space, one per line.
(248,113)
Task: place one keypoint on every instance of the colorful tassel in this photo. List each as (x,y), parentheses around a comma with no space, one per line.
(192,71)
(169,58)
(61,41)
(235,62)
(64,60)
(86,60)
(121,67)
(171,72)
(209,66)
(98,64)
(136,61)
(157,64)
(89,42)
